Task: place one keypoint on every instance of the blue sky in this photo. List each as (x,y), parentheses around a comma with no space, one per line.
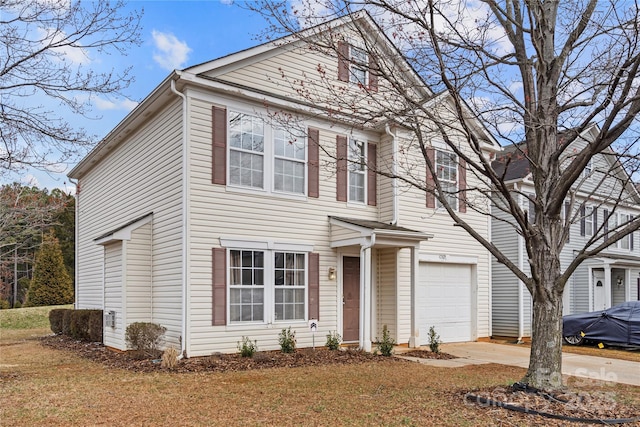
(175,34)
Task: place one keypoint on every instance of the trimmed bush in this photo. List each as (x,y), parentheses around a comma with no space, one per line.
(96,318)
(287,340)
(247,348)
(144,338)
(55,319)
(79,326)
(385,346)
(66,322)
(333,340)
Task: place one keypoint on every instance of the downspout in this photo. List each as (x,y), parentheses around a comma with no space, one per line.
(394,172)
(75,245)
(185,199)
(520,285)
(364,278)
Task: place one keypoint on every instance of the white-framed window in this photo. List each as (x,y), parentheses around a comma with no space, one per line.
(589,226)
(290,285)
(357,170)
(267,286)
(588,168)
(447,173)
(289,161)
(614,220)
(246,286)
(246,150)
(358,65)
(265,157)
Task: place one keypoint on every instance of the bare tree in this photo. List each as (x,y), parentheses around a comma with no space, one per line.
(45,47)
(537,73)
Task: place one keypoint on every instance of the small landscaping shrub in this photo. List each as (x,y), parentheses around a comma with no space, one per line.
(170,358)
(333,340)
(144,338)
(4,304)
(434,340)
(247,348)
(55,319)
(18,304)
(287,340)
(385,346)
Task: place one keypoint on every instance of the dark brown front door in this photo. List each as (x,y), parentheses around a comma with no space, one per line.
(351,298)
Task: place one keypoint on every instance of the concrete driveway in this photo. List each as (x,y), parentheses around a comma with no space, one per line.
(591,367)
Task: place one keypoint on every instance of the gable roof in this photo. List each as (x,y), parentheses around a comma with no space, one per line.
(514,165)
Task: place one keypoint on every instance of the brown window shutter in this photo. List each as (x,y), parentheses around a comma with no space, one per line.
(431,198)
(219,132)
(605,224)
(343,61)
(462,185)
(373,74)
(219,286)
(314,286)
(314,163)
(341,168)
(371,174)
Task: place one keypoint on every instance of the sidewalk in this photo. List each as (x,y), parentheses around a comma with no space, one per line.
(592,367)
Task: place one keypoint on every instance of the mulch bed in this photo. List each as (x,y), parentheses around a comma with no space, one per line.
(594,404)
(425,354)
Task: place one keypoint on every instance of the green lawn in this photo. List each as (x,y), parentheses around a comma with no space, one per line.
(27,318)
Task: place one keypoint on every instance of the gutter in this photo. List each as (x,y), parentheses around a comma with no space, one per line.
(185,203)
(394,172)
(75,244)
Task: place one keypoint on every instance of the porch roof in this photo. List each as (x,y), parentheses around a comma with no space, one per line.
(362,232)
(624,259)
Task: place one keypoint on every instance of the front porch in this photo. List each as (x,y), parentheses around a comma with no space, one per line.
(377,276)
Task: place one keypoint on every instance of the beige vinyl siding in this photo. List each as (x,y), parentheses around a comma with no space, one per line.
(385,185)
(139,275)
(447,239)
(140,176)
(403,298)
(386,292)
(217,211)
(113,292)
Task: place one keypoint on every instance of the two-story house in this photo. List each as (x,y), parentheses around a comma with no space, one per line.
(605,196)
(206,212)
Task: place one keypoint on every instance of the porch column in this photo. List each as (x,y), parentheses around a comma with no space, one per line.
(414,338)
(607,285)
(365,298)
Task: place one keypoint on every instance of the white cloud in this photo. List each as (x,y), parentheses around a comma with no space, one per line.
(75,55)
(171,53)
(105,104)
(228,2)
(30,180)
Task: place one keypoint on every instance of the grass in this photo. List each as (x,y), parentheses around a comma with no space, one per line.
(27,318)
(74,391)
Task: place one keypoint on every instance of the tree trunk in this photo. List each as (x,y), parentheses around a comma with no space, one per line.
(545,360)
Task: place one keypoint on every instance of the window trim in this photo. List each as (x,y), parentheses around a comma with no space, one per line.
(269,158)
(456,205)
(359,65)
(618,245)
(589,223)
(269,249)
(363,171)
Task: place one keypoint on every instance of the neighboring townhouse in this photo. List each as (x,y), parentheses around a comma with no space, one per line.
(207,213)
(604,280)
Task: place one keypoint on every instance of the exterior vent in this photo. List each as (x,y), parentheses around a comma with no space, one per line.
(110,319)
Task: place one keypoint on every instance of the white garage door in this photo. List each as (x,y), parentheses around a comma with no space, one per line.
(444,298)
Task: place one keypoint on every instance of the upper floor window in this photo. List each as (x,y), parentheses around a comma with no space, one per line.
(614,221)
(358,65)
(246,150)
(589,223)
(266,157)
(588,168)
(289,161)
(357,171)
(446,164)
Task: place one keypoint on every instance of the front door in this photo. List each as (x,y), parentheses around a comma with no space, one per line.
(350,299)
(598,291)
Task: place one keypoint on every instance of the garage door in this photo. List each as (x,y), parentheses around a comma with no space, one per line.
(444,298)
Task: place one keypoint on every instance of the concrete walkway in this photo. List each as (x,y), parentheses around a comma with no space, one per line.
(591,367)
